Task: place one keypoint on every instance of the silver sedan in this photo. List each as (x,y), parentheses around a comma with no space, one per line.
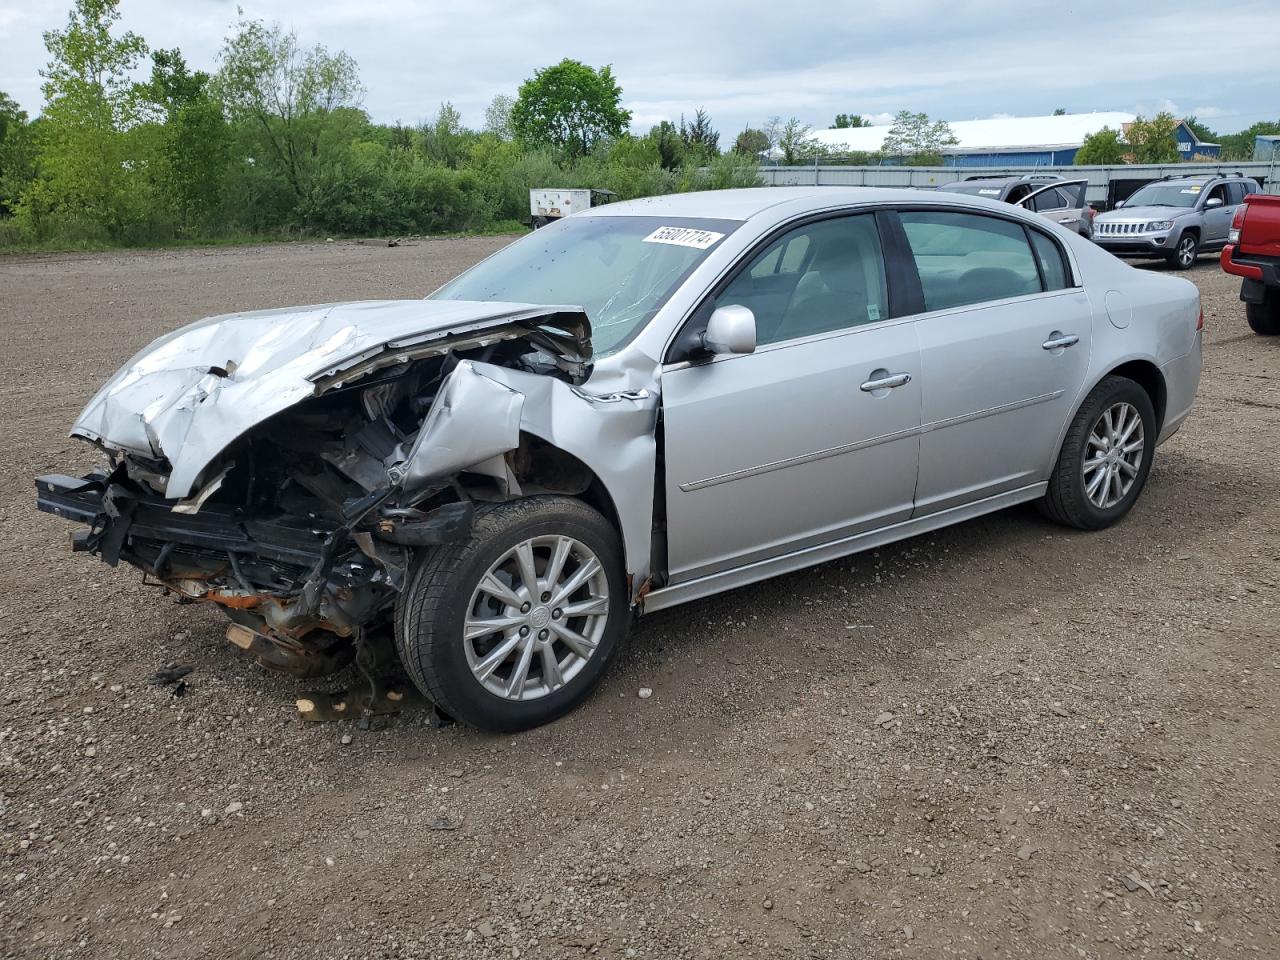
(638,406)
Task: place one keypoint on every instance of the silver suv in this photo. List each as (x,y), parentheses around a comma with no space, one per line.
(1176,218)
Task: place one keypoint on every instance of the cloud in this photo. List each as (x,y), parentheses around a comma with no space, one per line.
(743,62)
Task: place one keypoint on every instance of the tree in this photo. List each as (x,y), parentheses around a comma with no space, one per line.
(1101,147)
(292,98)
(1154,140)
(917,140)
(1239,146)
(751,143)
(796,142)
(701,140)
(666,139)
(193,142)
(847,121)
(1059,111)
(89,101)
(570,107)
(17,153)
(445,140)
(1203,133)
(497,116)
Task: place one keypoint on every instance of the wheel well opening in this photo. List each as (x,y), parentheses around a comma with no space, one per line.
(1148,376)
(542,467)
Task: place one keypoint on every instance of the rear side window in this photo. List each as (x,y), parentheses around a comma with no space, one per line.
(1053,267)
(1237,191)
(967,258)
(1049,200)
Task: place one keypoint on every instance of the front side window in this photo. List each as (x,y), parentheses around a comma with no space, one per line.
(619,269)
(965,258)
(818,278)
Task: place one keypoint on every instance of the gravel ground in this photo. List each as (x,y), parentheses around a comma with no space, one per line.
(1000,740)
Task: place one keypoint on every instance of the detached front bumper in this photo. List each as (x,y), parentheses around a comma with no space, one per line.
(297,590)
(125,524)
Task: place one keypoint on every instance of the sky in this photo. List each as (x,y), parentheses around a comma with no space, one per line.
(745,61)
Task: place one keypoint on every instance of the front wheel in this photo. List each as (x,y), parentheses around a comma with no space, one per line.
(1185,253)
(1105,457)
(513,627)
(1264,317)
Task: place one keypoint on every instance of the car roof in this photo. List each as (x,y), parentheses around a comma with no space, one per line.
(745,203)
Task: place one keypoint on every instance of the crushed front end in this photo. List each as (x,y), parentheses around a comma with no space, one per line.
(303,526)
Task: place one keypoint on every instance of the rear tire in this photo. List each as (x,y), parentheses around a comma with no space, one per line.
(491,652)
(1185,253)
(1091,488)
(1264,317)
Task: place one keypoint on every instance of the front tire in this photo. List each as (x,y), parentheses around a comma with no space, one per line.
(1105,457)
(1264,317)
(1185,253)
(514,626)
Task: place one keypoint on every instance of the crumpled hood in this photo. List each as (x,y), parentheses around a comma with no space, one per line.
(1144,214)
(195,390)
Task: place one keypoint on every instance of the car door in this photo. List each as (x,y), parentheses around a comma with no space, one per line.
(812,437)
(1004,350)
(1062,202)
(1217,220)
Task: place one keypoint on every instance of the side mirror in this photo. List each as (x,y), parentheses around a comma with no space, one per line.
(731,329)
(1212,203)
(1119,204)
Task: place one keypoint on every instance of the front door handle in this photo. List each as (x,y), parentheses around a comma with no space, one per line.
(1058,341)
(883,380)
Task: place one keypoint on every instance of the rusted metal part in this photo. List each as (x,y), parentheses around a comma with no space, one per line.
(284,656)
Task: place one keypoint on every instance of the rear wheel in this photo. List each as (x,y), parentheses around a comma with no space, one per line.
(514,626)
(1105,458)
(1264,317)
(1185,253)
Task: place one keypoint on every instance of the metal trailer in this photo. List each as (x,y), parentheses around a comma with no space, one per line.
(1107,184)
(546,204)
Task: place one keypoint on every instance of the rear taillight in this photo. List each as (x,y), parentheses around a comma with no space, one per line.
(1200,321)
(1237,224)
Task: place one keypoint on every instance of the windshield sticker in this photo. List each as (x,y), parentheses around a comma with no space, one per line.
(989,193)
(685,237)
(1191,190)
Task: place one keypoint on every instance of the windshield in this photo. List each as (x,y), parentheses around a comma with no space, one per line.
(1166,195)
(620,270)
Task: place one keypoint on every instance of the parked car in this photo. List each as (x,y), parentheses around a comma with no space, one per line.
(1253,252)
(1175,218)
(745,383)
(1062,201)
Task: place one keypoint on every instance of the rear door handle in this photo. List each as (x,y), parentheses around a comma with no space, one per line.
(1057,341)
(885,382)
(1068,219)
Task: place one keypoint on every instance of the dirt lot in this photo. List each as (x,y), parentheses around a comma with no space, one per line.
(1081,760)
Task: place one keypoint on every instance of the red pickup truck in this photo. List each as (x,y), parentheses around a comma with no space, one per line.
(1253,252)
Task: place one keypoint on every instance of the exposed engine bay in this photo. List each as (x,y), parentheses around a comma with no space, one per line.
(303,526)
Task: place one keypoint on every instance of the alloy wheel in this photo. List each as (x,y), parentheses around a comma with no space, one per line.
(1113,455)
(1187,251)
(536,617)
